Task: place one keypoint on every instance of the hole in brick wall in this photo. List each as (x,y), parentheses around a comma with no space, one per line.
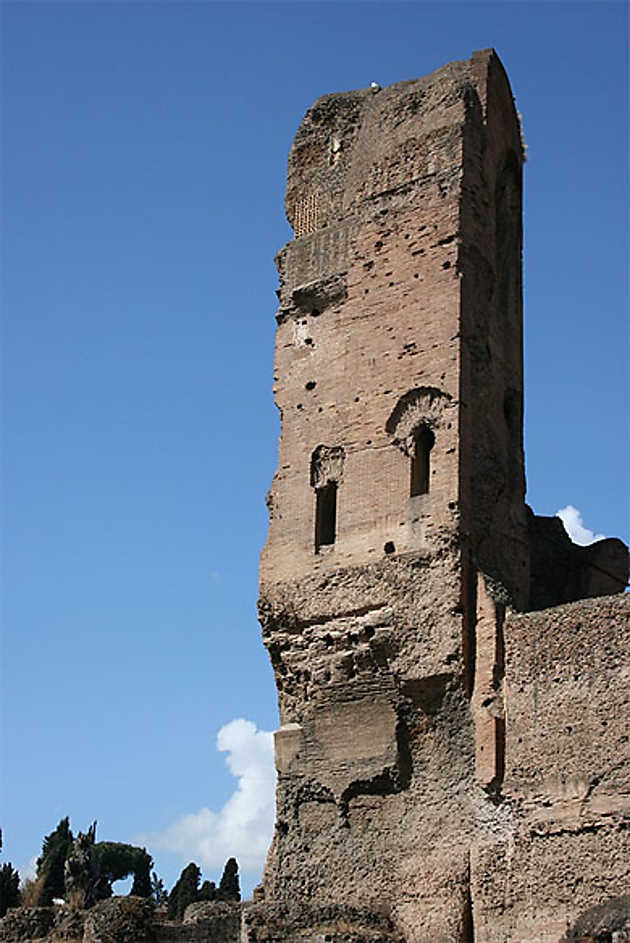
(391,284)
(310,385)
(446,264)
(416,275)
(424,441)
(467,934)
(325,515)
(356,399)
(378,245)
(389,547)
(452,505)
(499,753)
(365,291)
(299,406)
(308,341)
(315,313)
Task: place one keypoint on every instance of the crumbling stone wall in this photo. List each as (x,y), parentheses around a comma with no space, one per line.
(400,546)
(123,920)
(563,847)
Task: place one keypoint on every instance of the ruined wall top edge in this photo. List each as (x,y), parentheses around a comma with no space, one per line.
(345,136)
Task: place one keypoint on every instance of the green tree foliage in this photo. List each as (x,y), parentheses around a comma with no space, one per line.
(9,885)
(116,860)
(81,875)
(159,894)
(229,887)
(208,891)
(50,865)
(187,891)
(9,888)
(184,892)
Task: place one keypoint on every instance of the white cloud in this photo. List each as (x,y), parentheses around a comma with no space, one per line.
(244,826)
(28,871)
(574,526)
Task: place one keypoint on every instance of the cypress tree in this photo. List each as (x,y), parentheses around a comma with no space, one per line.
(229,887)
(208,891)
(9,888)
(184,892)
(50,865)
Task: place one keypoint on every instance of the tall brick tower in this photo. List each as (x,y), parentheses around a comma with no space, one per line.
(398,528)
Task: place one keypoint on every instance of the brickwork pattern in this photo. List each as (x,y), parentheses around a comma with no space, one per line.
(400,546)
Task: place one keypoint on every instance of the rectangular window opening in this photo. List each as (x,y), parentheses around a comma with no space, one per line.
(421,462)
(325,515)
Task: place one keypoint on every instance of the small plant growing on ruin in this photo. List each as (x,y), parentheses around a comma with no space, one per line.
(159,894)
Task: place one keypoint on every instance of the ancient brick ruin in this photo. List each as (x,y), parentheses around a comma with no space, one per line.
(453,751)
(452,756)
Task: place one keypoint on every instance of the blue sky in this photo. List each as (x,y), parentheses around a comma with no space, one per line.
(144,152)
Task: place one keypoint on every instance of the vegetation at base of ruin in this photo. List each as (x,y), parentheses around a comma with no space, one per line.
(159,894)
(115,861)
(79,871)
(229,887)
(9,885)
(208,891)
(184,892)
(50,865)
(186,889)
(9,888)
(30,889)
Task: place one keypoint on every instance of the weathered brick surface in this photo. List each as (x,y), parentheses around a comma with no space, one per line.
(418,764)
(415,777)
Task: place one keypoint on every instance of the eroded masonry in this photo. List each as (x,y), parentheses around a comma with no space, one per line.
(452,756)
